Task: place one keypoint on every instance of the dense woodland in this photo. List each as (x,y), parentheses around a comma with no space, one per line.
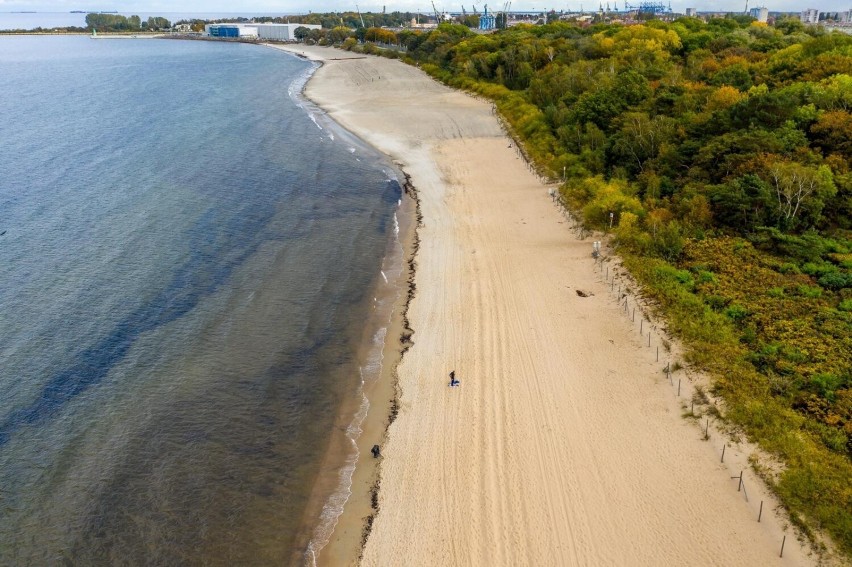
(724,150)
(119,23)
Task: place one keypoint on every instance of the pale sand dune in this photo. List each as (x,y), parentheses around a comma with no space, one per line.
(564,444)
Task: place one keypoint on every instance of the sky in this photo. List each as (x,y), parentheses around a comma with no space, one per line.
(303,6)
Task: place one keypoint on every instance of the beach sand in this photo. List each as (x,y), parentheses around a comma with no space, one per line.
(565,443)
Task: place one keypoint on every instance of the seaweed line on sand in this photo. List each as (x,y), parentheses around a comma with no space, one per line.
(405,343)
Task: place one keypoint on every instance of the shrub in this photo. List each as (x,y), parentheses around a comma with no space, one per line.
(835,280)
(810,292)
(736,312)
(775,292)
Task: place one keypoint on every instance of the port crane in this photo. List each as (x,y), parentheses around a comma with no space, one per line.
(649,7)
(486,21)
(437,15)
(506,7)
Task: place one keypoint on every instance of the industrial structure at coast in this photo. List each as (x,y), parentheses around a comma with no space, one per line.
(274,32)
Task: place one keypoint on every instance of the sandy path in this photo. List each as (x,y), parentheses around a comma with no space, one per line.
(562,446)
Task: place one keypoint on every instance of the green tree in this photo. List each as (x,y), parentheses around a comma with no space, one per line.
(158,23)
(743,203)
(800,188)
(338,34)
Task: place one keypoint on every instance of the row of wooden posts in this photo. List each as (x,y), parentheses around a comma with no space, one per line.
(741,484)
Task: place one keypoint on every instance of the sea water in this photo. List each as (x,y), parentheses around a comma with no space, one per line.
(49,20)
(188,254)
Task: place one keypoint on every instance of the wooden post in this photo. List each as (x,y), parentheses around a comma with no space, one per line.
(740,486)
(607,273)
(692,408)
(634,314)
(678,387)
(783,541)
(658,351)
(707,429)
(723,453)
(649,341)
(641,321)
(759,514)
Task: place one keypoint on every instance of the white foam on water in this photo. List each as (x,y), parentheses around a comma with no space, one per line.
(351,150)
(334,506)
(384,276)
(395,231)
(294,89)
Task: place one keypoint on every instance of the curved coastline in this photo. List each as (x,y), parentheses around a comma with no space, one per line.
(342,503)
(561,446)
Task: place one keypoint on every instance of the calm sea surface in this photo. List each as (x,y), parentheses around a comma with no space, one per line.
(186,261)
(49,20)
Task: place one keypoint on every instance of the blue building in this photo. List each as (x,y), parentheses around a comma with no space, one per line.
(486,20)
(223,30)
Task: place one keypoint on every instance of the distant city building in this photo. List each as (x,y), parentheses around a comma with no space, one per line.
(845,17)
(810,16)
(280,32)
(691,12)
(760,14)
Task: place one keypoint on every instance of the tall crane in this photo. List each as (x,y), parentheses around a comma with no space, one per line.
(437,15)
(360,16)
(486,20)
(506,7)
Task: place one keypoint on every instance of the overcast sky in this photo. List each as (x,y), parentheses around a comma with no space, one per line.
(303,6)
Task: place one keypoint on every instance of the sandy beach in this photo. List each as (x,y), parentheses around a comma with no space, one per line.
(565,443)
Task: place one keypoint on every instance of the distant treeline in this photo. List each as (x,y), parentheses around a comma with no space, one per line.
(119,23)
(349,20)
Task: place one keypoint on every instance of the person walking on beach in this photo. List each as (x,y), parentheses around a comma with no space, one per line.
(453,381)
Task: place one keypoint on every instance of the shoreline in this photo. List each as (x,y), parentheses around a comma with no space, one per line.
(560,445)
(342,503)
(353,524)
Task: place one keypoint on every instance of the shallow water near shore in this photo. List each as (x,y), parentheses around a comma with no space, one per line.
(189,256)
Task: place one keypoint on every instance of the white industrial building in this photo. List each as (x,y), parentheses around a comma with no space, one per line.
(760,14)
(279,32)
(810,16)
(691,12)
